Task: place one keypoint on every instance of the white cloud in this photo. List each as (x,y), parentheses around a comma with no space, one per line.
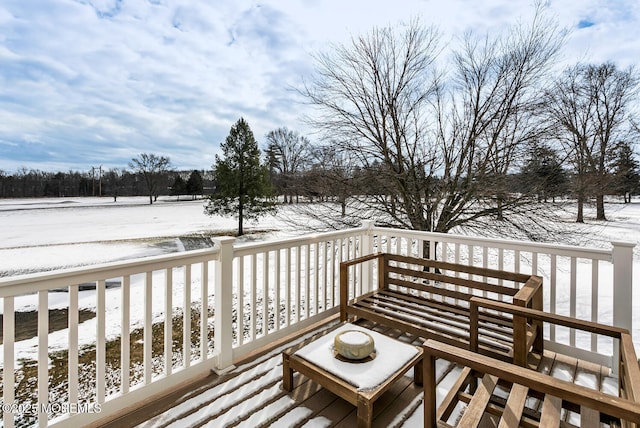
(103,80)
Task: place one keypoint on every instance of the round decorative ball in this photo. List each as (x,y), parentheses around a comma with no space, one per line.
(353,344)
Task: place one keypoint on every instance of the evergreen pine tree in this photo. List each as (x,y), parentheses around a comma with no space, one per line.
(179,186)
(543,173)
(242,183)
(626,174)
(195,184)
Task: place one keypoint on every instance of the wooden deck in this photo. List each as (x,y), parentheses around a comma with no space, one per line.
(252,396)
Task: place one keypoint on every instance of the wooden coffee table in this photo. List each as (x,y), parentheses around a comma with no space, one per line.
(359,383)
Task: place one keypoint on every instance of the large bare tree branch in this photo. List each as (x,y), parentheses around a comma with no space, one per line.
(440,144)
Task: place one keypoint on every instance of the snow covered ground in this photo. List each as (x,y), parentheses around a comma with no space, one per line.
(53,233)
(47,234)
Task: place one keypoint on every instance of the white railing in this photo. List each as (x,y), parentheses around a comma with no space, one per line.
(160,322)
(148,333)
(281,286)
(77,372)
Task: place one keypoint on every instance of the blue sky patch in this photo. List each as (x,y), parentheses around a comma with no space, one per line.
(586,23)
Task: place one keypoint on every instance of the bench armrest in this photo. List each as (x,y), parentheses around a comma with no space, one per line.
(588,326)
(629,374)
(629,367)
(344,279)
(360,259)
(530,295)
(577,394)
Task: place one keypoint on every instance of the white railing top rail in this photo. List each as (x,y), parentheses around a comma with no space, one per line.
(245,249)
(31,283)
(557,249)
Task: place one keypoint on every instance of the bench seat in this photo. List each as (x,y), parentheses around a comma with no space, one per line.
(431,299)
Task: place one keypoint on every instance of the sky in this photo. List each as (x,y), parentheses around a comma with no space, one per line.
(97,82)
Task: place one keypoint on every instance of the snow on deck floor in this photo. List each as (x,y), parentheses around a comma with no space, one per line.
(252,396)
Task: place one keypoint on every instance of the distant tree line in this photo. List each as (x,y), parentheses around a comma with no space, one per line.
(112,182)
(301,172)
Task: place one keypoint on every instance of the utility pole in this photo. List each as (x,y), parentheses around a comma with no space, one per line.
(93,182)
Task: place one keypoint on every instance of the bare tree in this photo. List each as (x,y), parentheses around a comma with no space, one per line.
(334,178)
(151,167)
(486,119)
(572,112)
(590,105)
(333,175)
(614,90)
(288,155)
(436,143)
(371,98)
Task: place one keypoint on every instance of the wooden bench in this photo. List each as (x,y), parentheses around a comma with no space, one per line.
(431,299)
(478,380)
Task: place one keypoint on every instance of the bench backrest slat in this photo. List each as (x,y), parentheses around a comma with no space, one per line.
(431,289)
(473,270)
(414,279)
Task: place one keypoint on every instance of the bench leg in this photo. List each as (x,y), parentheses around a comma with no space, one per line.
(287,373)
(538,344)
(520,341)
(429,373)
(365,412)
(418,372)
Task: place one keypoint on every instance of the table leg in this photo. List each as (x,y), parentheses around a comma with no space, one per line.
(365,412)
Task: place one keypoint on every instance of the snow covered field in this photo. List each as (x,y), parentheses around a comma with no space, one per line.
(53,233)
(45,234)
